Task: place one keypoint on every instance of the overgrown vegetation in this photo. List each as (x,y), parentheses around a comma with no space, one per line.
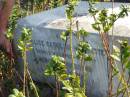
(67,84)
(103,24)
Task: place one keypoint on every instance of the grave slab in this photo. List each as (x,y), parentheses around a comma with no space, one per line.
(46,29)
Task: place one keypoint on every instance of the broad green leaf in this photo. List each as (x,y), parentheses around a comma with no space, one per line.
(115,57)
(69,95)
(11,95)
(116,49)
(15,92)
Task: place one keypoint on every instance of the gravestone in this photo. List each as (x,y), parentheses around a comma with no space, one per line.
(46,29)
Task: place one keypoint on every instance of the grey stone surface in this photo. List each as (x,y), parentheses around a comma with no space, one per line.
(46,29)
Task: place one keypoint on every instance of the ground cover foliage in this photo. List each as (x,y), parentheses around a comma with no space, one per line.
(13,84)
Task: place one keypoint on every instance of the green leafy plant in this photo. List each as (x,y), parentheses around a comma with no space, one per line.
(103,24)
(72,86)
(24,45)
(122,55)
(83,54)
(69,15)
(55,3)
(69,35)
(56,68)
(71,83)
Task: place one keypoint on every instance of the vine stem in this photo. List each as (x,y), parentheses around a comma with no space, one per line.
(71,47)
(24,75)
(104,38)
(65,49)
(57,89)
(34,87)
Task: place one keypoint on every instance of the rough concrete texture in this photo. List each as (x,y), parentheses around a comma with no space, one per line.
(46,29)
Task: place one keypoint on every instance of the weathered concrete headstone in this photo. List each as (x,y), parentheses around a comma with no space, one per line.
(46,29)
